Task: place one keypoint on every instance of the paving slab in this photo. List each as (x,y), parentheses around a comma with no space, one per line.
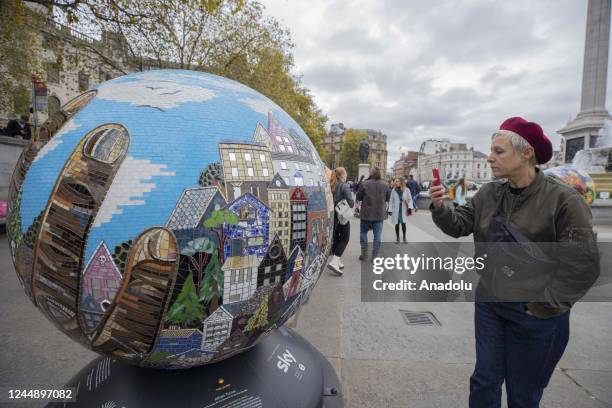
(596,383)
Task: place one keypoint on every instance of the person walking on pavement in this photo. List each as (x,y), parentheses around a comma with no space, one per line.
(400,206)
(415,189)
(357,202)
(374,196)
(520,343)
(341,191)
(460,193)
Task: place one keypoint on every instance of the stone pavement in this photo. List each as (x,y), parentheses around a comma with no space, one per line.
(381,361)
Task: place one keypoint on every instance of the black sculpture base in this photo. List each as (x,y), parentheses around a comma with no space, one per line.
(284,370)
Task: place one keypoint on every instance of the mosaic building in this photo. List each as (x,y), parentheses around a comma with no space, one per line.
(247,168)
(291,159)
(280,210)
(193,208)
(216,328)
(293,274)
(239,278)
(250,235)
(299,215)
(273,265)
(100,283)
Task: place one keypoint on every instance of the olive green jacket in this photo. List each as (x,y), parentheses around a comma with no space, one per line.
(546,211)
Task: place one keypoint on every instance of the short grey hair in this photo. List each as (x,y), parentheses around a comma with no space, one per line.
(517,142)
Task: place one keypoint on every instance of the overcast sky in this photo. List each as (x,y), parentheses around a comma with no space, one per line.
(429,69)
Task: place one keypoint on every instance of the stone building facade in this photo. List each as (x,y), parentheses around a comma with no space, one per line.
(84,61)
(334,142)
(403,166)
(469,164)
(378,148)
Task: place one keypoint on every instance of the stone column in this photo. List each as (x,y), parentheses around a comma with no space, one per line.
(595,68)
(583,132)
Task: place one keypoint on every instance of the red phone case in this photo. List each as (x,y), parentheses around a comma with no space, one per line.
(436,176)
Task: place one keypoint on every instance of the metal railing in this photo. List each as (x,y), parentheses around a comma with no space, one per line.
(55,25)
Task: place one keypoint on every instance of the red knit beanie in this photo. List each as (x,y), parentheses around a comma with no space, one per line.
(533,134)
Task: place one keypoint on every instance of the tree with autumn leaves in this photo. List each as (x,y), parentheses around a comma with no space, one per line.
(231,38)
(350,152)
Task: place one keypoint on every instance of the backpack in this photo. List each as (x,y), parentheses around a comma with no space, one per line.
(452,192)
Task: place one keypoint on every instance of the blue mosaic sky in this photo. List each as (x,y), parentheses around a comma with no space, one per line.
(175,119)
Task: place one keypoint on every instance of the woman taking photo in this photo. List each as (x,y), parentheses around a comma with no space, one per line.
(522,342)
(341,191)
(460,192)
(400,205)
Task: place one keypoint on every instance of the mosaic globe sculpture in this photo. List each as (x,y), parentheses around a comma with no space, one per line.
(170,218)
(580,180)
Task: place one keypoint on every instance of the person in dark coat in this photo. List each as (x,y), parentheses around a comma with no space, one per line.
(415,189)
(19,128)
(374,196)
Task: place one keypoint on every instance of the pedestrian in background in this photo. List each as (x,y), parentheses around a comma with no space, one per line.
(521,342)
(400,207)
(341,191)
(374,196)
(460,193)
(358,185)
(19,128)
(415,189)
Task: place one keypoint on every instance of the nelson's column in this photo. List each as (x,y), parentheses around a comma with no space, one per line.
(583,131)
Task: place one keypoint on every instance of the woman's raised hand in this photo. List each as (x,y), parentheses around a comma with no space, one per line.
(436,193)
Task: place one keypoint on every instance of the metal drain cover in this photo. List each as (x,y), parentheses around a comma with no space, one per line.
(419,318)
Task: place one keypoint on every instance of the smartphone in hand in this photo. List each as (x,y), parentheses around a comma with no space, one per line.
(436,177)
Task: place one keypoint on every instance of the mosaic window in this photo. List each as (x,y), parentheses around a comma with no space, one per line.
(106,143)
(160,246)
(248,212)
(232,156)
(237,246)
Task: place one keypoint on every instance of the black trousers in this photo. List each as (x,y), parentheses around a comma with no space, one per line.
(403,230)
(342,234)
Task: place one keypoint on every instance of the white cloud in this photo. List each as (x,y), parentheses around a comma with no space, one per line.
(205,79)
(218,82)
(160,94)
(262,106)
(132,181)
(57,139)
